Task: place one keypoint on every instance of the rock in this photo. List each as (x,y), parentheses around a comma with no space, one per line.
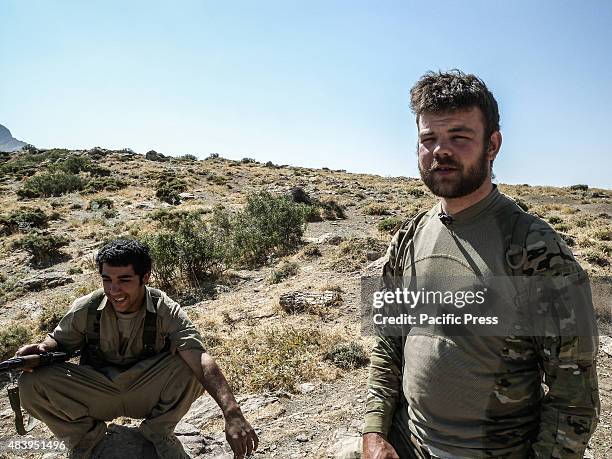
(203,410)
(250,403)
(152,155)
(298,301)
(606,344)
(142,205)
(185,428)
(45,280)
(348,447)
(326,238)
(187,196)
(306,388)
(302,438)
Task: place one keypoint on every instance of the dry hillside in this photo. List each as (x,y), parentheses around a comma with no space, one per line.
(284,323)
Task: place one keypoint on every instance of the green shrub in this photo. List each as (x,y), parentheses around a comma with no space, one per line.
(216,179)
(312,213)
(248,161)
(311,251)
(348,356)
(416,192)
(171,219)
(389,225)
(596,256)
(554,220)
(376,209)
(186,256)
(104,184)
(23,220)
(43,248)
(12,337)
(271,359)
(282,271)
(522,204)
(332,210)
(267,225)
(51,184)
(50,317)
(579,187)
(168,190)
(74,164)
(188,157)
(100,203)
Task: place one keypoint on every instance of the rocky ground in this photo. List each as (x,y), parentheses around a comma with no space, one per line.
(322,412)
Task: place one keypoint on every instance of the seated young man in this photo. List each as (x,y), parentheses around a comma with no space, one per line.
(141,357)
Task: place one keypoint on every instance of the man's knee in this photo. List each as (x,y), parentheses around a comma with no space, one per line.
(29,387)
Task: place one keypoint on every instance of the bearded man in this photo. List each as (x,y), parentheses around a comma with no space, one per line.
(465,395)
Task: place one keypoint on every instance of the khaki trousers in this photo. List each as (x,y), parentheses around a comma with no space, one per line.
(74,401)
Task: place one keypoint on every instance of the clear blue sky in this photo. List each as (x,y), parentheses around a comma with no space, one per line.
(312,83)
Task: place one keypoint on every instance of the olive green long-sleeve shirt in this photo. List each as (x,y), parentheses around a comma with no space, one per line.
(482,396)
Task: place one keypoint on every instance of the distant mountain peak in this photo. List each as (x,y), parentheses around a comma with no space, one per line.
(8,142)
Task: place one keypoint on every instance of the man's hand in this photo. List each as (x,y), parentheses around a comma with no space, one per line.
(376,447)
(31,349)
(240,435)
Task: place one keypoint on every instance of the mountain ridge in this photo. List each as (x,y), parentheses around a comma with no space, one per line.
(8,142)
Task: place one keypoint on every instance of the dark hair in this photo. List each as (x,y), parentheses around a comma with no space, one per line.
(123,252)
(454,90)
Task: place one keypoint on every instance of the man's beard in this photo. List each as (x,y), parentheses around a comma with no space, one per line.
(461,182)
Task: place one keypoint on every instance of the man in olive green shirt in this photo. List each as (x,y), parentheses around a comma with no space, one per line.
(460,396)
(141,357)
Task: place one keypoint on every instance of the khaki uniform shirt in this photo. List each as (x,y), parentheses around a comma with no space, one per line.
(121,335)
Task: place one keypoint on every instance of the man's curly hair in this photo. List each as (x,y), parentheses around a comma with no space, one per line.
(123,252)
(437,92)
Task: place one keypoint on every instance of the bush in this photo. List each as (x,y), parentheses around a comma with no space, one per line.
(311,251)
(12,337)
(248,161)
(376,209)
(186,256)
(172,219)
(188,157)
(43,248)
(348,356)
(213,156)
(267,225)
(389,225)
(554,220)
(74,164)
(271,359)
(579,187)
(311,213)
(522,204)
(416,192)
(216,179)
(596,256)
(104,184)
(332,210)
(51,184)
(100,203)
(282,271)
(50,317)
(23,220)
(168,190)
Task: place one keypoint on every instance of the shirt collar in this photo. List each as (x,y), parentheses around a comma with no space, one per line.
(471,213)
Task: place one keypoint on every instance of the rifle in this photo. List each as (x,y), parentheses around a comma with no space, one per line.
(26,362)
